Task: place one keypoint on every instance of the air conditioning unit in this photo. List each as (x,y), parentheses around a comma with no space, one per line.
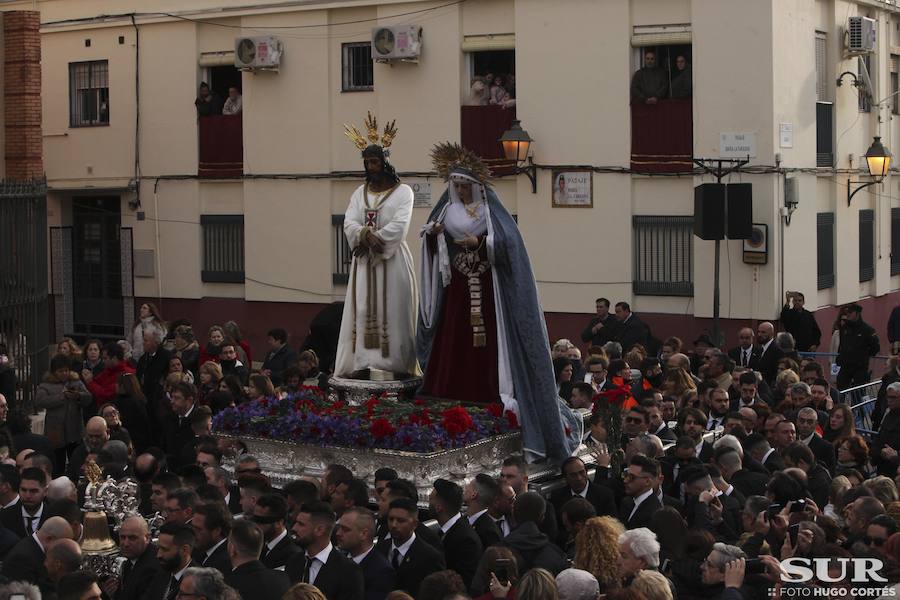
(403,42)
(257,53)
(861,36)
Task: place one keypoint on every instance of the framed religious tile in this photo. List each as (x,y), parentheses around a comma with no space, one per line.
(573,188)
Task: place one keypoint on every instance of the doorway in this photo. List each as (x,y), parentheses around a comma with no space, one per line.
(97,268)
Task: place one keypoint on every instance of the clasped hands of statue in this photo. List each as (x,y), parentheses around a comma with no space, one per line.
(369,242)
(470,242)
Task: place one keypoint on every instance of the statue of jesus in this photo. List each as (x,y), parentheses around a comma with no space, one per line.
(378,328)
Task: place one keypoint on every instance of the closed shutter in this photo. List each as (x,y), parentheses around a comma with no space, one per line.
(866,245)
(895,241)
(825,250)
(821,68)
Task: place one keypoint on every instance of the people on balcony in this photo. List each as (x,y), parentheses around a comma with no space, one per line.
(208,102)
(234,104)
(478,94)
(649,83)
(682,82)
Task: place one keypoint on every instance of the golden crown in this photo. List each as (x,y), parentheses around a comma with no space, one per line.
(372,137)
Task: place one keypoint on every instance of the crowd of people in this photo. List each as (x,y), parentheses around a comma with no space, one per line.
(725,463)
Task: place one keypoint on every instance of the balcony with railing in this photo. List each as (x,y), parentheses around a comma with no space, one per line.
(662,136)
(221,146)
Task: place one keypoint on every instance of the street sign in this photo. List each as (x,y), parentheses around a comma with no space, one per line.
(737,145)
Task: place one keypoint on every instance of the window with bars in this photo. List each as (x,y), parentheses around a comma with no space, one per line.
(356,66)
(223,248)
(825,250)
(895,84)
(663,255)
(895,241)
(340,272)
(866,245)
(89,93)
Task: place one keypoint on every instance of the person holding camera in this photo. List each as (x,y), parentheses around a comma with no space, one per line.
(728,571)
(63,396)
(800,323)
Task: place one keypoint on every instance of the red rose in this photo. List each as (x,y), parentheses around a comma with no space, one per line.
(512,419)
(381,428)
(263,402)
(457,421)
(496,409)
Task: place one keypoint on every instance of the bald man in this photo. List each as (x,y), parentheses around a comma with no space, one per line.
(25,562)
(96,434)
(769,352)
(63,557)
(142,565)
(746,353)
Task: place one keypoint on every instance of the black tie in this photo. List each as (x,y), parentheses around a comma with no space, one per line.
(500,523)
(395,559)
(30,524)
(744,359)
(306,570)
(172,590)
(126,569)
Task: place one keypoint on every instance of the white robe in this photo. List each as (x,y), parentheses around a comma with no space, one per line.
(402,294)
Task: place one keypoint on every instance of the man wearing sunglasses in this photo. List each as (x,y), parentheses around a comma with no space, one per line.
(880,528)
(640,504)
(269,513)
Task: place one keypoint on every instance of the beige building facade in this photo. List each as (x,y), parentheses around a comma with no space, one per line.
(123,149)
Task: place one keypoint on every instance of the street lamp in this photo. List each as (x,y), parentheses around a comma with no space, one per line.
(878,161)
(516,142)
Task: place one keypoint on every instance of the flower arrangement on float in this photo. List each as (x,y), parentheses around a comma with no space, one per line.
(310,417)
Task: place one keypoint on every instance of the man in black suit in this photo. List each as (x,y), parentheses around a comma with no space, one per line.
(746,353)
(174,549)
(758,447)
(818,481)
(769,352)
(280,356)
(356,537)
(479,494)
(211,525)
(62,557)
(575,513)
(641,503)
(180,506)
(394,490)
(462,547)
(692,423)
(27,516)
(800,322)
(177,431)
(250,577)
(270,513)
(411,558)
(152,368)
(807,419)
(141,567)
(748,483)
(630,330)
(221,479)
(602,327)
(96,434)
(658,426)
(323,565)
(25,562)
(575,473)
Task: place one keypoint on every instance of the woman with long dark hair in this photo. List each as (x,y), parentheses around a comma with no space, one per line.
(132,408)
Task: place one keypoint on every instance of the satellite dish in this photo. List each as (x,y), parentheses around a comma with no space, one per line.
(864,80)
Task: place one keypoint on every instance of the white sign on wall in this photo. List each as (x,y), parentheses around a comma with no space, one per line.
(786,135)
(421,193)
(737,145)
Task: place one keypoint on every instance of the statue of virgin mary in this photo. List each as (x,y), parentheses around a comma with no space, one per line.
(481,335)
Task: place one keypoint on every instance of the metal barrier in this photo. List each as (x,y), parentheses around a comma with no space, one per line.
(861,400)
(878,365)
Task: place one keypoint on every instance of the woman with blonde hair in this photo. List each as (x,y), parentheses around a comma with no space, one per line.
(678,383)
(149,318)
(308,363)
(653,585)
(209,375)
(537,584)
(213,347)
(304,591)
(68,347)
(597,550)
